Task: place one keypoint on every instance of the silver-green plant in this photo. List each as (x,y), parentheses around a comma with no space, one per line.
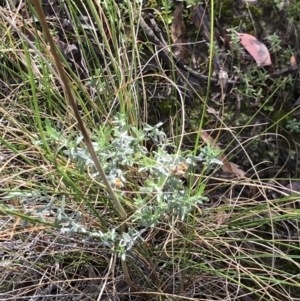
(160,193)
(293,126)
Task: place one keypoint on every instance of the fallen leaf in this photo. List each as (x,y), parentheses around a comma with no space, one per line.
(200,18)
(208,139)
(256,49)
(227,166)
(177,33)
(221,219)
(178,27)
(293,62)
(233,169)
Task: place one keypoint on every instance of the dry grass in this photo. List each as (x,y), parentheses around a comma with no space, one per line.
(243,244)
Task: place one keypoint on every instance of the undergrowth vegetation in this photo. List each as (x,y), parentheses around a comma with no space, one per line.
(162,181)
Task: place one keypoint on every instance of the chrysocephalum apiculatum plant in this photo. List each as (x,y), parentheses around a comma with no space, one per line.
(160,192)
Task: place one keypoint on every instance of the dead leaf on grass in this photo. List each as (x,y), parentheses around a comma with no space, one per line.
(222,218)
(227,166)
(256,49)
(232,168)
(208,139)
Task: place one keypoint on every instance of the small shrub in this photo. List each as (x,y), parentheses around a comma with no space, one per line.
(161,190)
